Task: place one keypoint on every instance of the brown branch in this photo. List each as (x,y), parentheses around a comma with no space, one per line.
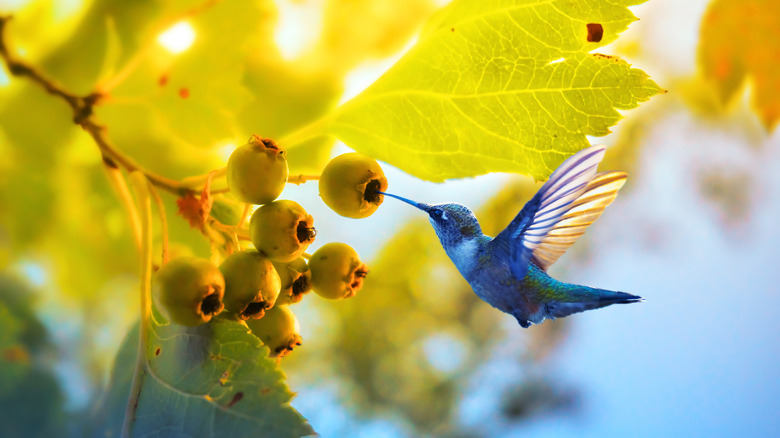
(83,114)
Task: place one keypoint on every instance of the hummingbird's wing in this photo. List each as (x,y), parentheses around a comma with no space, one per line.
(539,216)
(599,193)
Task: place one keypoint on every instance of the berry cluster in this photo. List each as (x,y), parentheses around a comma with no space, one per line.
(256,286)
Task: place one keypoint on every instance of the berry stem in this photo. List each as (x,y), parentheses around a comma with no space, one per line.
(163,222)
(141,186)
(307,132)
(118,183)
(199,180)
(306,255)
(218,191)
(244,215)
(300,179)
(239,231)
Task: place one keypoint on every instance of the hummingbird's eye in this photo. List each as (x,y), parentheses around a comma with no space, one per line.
(437,214)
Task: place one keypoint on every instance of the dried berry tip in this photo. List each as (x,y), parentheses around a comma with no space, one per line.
(270,144)
(372,194)
(211,304)
(300,285)
(305,233)
(254,308)
(265,143)
(360,274)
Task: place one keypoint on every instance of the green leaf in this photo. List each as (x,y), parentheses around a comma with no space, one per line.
(211,380)
(498,85)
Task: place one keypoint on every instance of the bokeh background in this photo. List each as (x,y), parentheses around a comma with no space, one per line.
(694,231)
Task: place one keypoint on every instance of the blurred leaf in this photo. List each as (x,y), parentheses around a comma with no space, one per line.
(18,299)
(31,401)
(288,95)
(356,30)
(535,397)
(741,39)
(198,92)
(211,380)
(14,358)
(26,189)
(497,86)
(729,191)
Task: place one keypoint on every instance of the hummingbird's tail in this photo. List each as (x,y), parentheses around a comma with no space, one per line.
(589,299)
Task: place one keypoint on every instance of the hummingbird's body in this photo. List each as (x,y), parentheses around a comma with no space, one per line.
(508,271)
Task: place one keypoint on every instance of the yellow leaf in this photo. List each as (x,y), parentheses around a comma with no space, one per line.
(741,38)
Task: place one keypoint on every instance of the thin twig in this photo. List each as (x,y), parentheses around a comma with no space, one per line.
(244,214)
(300,179)
(117,181)
(241,232)
(163,223)
(141,187)
(199,180)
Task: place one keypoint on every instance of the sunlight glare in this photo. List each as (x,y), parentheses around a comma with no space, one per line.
(9,6)
(299,26)
(369,71)
(224,150)
(177,38)
(4,79)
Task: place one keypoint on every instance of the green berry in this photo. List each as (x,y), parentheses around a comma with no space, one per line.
(278,329)
(296,281)
(336,271)
(282,230)
(251,284)
(188,291)
(349,183)
(257,171)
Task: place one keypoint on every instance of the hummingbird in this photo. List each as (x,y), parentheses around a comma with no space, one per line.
(509,271)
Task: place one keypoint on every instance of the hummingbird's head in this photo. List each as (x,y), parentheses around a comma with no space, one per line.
(453,223)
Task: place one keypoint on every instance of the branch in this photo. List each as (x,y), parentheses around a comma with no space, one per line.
(83,114)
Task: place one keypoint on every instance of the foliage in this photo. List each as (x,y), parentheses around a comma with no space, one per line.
(497,86)
(740,40)
(211,380)
(24,346)
(490,86)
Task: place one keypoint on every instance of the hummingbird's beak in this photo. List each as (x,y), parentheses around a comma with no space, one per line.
(424,207)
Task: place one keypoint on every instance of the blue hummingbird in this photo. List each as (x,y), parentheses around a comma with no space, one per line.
(509,271)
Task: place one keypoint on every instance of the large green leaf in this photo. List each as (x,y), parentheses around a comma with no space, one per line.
(208,381)
(499,85)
